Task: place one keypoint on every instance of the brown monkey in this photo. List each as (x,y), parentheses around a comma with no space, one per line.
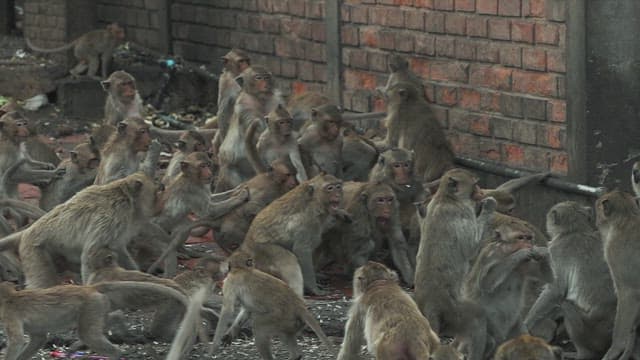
(359,155)
(265,187)
(37,312)
(189,142)
(300,107)
(399,72)
(80,172)
(321,142)
(123,99)
(187,193)
(92,49)
(618,219)
(635,178)
(386,317)
(496,280)
(294,223)
(275,309)
(450,238)
(98,216)
(582,286)
(412,125)
(374,220)
(233,64)
(256,100)
(278,141)
(526,347)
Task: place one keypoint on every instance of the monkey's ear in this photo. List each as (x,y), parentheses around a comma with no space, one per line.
(180,144)
(184,166)
(225,61)
(314,113)
(421,209)
(73,155)
(122,127)
(381,159)
(403,93)
(240,80)
(92,142)
(497,236)
(553,215)
(364,197)
(606,207)
(106,85)
(136,187)
(452,185)
(249,262)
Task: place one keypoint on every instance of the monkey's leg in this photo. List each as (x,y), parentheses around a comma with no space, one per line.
(79,68)
(234,330)
(36,342)
(400,256)
(585,337)
(624,326)
(91,326)
(165,322)
(471,324)
(305,258)
(263,340)
(94,63)
(291,343)
(39,268)
(15,337)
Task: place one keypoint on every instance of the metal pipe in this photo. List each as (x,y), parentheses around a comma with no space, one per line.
(552,182)
(364,116)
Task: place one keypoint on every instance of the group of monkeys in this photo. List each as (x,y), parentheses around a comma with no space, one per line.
(299,188)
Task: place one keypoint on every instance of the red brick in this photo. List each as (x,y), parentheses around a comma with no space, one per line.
(414,19)
(502,128)
(522,31)
(511,56)
(446,95)
(434,22)
(305,70)
(449,71)
(551,136)
(298,87)
(441,114)
(344,14)
(480,125)
(489,7)
(490,101)
(464,144)
(476,26)
(403,2)
(446,47)
(524,132)
(559,164)
(420,67)
(557,110)
(469,99)
(535,83)
(459,120)
(534,59)
(377,61)
(514,154)
(391,17)
(296,26)
(387,39)
(369,37)
(318,31)
(499,29)
(296,8)
(425,44)
(465,49)
(547,34)
(509,7)
(455,24)
(320,72)
(354,79)
(427,4)
(493,77)
(356,58)
(443,5)
(359,14)
(349,35)
(556,61)
(536,8)
(403,42)
(465,5)
(489,149)
(314,9)
(487,52)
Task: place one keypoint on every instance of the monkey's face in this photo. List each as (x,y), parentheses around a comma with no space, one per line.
(281,126)
(125,90)
(116,31)
(142,138)
(381,206)
(332,192)
(401,172)
(205,174)
(262,83)
(284,176)
(14,126)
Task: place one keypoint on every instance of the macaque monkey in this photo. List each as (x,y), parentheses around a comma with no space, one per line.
(412,125)
(618,219)
(300,106)
(92,50)
(189,142)
(399,72)
(635,178)
(526,347)
(451,236)
(497,280)
(359,155)
(276,142)
(275,309)
(387,318)
(257,99)
(582,286)
(265,187)
(123,99)
(80,172)
(294,223)
(37,312)
(321,142)
(504,194)
(98,216)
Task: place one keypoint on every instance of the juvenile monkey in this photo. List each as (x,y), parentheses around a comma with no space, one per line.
(386,317)
(618,219)
(275,309)
(321,142)
(496,280)
(92,49)
(98,216)
(189,142)
(399,72)
(450,238)
(527,347)
(37,312)
(300,107)
(294,223)
(257,99)
(276,142)
(582,286)
(123,99)
(412,125)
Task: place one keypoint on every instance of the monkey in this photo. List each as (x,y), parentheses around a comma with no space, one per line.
(123,100)
(98,216)
(293,224)
(256,99)
(300,106)
(497,280)
(582,286)
(37,312)
(263,188)
(275,309)
(277,141)
(618,220)
(80,172)
(386,317)
(189,142)
(635,178)
(450,237)
(399,72)
(526,347)
(322,142)
(233,64)
(92,50)
(504,194)
(189,192)
(359,155)
(374,219)
(412,125)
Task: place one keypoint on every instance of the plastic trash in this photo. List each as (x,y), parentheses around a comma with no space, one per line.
(36,102)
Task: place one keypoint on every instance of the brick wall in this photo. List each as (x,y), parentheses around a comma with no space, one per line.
(142,19)
(45,22)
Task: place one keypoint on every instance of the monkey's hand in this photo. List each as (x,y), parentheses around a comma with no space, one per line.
(539,253)
(155,146)
(59,173)
(488,204)
(243,192)
(343,215)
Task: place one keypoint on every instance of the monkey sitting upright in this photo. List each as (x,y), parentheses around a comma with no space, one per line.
(123,99)
(92,49)
(321,141)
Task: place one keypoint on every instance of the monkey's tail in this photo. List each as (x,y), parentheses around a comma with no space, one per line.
(53,50)
(185,338)
(310,320)
(119,292)
(252,151)
(11,241)
(23,208)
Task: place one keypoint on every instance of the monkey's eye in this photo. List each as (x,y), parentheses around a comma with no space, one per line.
(329,187)
(204,165)
(406,165)
(338,187)
(380,200)
(282,122)
(390,199)
(397,165)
